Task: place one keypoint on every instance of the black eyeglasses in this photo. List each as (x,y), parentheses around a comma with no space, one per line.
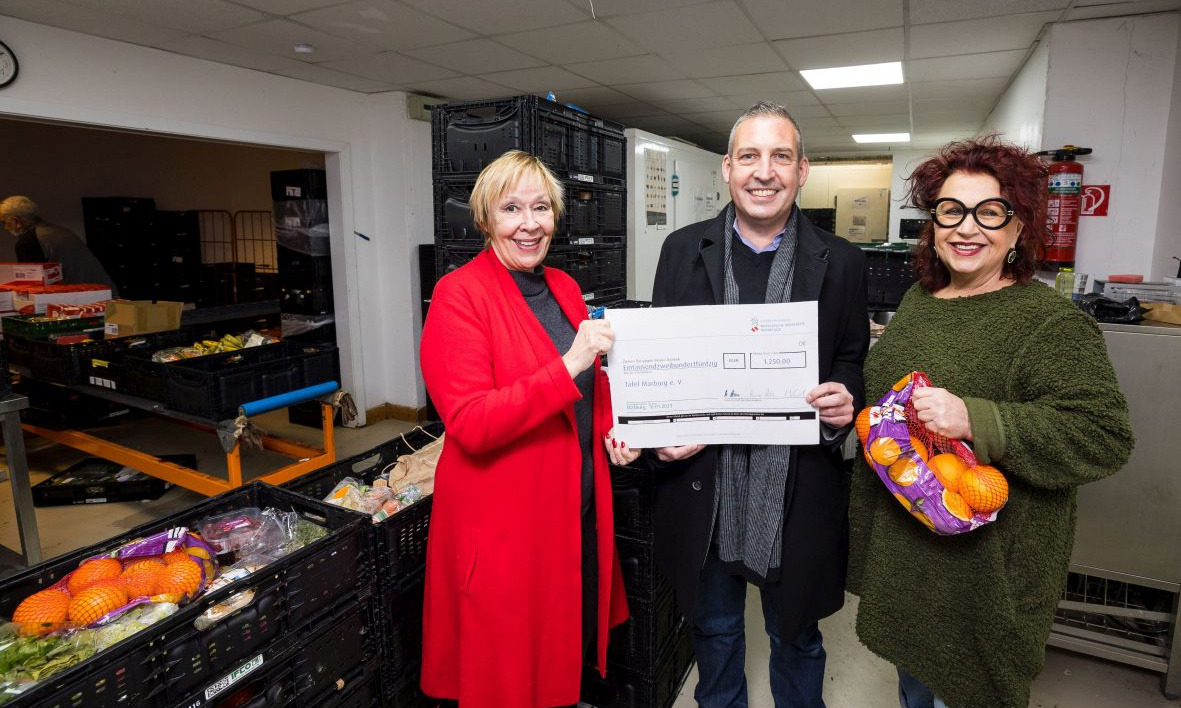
(991,214)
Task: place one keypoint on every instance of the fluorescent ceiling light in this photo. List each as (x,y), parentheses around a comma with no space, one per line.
(850,76)
(882,137)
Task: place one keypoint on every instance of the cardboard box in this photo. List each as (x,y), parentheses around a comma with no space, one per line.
(127,317)
(42,273)
(1163,312)
(35,300)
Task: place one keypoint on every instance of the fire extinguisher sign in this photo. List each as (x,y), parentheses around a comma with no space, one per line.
(1095,199)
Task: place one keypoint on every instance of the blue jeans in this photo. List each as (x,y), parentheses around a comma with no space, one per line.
(719,641)
(913,693)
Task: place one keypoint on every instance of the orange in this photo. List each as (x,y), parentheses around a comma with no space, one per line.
(904,471)
(42,612)
(902,382)
(92,603)
(884,451)
(175,555)
(984,488)
(180,578)
(93,571)
(862,425)
(141,577)
(948,469)
(955,504)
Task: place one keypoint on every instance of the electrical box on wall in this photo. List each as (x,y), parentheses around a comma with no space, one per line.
(671,184)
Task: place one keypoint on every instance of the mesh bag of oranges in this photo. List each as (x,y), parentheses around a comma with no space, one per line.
(938,480)
(173,566)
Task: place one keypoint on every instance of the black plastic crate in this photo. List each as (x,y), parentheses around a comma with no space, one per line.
(638,562)
(360,688)
(612,150)
(54,363)
(399,542)
(109,371)
(253,635)
(657,688)
(401,617)
(307,300)
(134,672)
(215,385)
(331,648)
(301,184)
(466,136)
(889,273)
(60,408)
(606,295)
(94,481)
(594,213)
(262,681)
(406,694)
(633,497)
(641,641)
(591,267)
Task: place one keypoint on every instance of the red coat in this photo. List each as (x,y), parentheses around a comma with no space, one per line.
(502,624)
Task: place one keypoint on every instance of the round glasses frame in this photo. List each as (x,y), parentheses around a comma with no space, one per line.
(975,215)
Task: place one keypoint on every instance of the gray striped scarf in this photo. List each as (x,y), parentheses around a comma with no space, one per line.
(751,479)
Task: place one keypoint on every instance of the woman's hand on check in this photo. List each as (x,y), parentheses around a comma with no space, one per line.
(618,451)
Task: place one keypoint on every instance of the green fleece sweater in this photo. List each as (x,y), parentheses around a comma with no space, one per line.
(969,615)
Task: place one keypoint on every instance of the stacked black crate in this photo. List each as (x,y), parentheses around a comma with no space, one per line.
(119,232)
(149,254)
(586,153)
(304,266)
(649,655)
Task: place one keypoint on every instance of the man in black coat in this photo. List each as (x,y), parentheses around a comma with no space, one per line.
(774,516)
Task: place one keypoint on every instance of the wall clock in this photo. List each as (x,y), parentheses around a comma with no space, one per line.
(8,65)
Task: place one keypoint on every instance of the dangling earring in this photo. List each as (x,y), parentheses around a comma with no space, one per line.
(1012,256)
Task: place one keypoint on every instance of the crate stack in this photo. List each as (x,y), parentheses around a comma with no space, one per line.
(649,655)
(149,254)
(299,631)
(889,273)
(398,545)
(586,153)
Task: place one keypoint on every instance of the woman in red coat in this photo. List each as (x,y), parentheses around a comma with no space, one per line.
(522,576)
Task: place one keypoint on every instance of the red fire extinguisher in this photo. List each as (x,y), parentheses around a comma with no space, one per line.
(1065,184)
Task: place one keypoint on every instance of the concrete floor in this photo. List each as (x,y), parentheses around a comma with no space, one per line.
(856,678)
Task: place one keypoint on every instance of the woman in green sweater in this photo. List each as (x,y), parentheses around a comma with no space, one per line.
(1023,377)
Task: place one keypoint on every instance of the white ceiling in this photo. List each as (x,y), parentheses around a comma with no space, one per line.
(682,68)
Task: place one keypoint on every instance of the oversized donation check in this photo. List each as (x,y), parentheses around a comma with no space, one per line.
(715,374)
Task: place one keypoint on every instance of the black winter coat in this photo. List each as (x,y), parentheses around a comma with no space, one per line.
(815,530)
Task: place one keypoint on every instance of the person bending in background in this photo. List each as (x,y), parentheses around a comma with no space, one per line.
(522,577)
(35,240)
(773,516)
(1023,375)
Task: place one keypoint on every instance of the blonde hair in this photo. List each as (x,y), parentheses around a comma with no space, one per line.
(501,175)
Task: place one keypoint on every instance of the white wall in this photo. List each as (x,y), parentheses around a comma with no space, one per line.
(374,156)
(1111,88)
(1168,224)
(1019,115)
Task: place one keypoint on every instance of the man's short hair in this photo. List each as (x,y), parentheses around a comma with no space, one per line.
(22,208)
(770,110)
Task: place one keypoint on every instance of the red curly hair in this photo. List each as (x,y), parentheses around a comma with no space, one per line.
(1022,177)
